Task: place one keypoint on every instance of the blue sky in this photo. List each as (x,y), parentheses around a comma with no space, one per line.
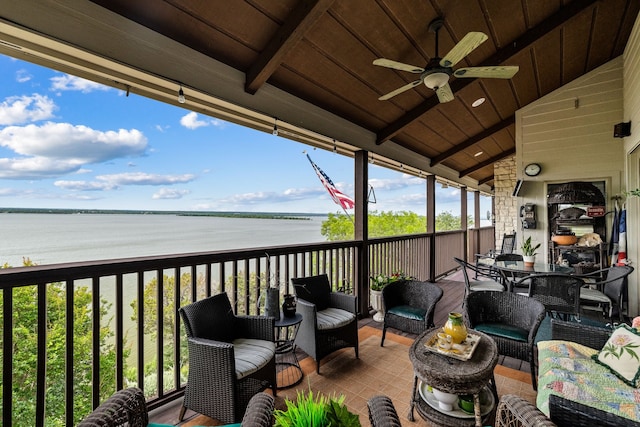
(66,142)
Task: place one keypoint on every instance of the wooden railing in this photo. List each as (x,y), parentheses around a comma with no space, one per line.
(74,333)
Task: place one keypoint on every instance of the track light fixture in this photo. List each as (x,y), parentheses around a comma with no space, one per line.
(275,126)
(181,98)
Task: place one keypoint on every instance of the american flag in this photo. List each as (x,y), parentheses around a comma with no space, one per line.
(338,196)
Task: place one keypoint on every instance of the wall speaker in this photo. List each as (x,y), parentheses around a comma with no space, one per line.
(622,129)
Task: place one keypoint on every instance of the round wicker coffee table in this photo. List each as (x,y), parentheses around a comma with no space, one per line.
(453,376)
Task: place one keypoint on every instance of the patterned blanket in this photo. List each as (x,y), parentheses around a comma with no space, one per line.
(566,369)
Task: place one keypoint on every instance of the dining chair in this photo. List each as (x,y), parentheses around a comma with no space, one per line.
(560,293)
(471,285)
(508,278)
(607,287)
(507,247)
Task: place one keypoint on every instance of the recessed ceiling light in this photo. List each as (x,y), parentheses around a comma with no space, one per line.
(479,153)
(478,102)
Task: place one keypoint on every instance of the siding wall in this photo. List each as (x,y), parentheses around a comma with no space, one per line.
(631,78)
(570,134)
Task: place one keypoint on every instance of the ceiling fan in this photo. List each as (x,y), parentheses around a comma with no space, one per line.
(435,75)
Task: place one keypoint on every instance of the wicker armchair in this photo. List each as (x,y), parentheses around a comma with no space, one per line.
(128,407)
(329,319)
(514,411)
(382,413)
(124,407)
(259,411)
(231,358)
(512,321)
(409,306)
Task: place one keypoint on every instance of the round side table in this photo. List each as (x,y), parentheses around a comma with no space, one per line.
(288,369)
(453,376)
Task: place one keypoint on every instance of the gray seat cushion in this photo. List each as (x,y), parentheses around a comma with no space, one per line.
(332,318)
(251,355)
(485,285)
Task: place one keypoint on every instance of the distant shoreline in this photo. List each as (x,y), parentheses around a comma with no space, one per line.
(225,214)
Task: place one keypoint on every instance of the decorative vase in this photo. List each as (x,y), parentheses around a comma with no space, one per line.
(378,305)
(529,260)
(272,303)
(289,306)
(456,328)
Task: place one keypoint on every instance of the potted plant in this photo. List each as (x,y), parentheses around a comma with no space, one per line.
(377,284)
(529,252)
(316,411)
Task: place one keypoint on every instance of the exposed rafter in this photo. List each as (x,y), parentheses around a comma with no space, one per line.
(487,179)
(284,40)
(527,39)
(473,140)
(488,162)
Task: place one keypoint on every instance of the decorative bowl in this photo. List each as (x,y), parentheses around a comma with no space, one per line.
(564,240)
(445,400)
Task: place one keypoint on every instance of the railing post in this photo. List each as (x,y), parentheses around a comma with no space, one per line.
(431,225)
(361,229)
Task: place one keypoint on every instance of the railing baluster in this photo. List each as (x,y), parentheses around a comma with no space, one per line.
(160,336)
(119,334)
(69,320)
(222,271)
(140,324)
(95,343)
(42,355)
(7,356)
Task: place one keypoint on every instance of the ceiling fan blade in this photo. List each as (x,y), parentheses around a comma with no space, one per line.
(497,72)
(464,47)
(382,62)
(444,93)
(400,90)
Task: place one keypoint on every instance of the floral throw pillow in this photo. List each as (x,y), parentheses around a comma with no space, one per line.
(621,354)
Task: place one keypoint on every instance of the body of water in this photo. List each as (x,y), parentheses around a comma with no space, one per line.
(56,238)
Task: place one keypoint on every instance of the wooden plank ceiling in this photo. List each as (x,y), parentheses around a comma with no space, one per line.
(322,52)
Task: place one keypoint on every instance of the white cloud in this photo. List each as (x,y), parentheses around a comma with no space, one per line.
(115,181)
(191,121)
(55,149)
(35,168)
(78,144)
(23,76)
(68,82)
(85,185)
(23,109)
(396,184)
(140,178)
(170,193)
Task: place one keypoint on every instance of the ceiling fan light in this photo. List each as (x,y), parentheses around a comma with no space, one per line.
(436,80)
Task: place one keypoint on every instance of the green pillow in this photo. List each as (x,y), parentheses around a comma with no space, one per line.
(621,354)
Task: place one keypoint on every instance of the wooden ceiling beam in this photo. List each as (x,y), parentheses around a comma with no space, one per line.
(301,19)
(487,179)
(488,162)
(473,140)
(563,15)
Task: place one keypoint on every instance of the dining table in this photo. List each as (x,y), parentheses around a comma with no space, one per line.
(512,271)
